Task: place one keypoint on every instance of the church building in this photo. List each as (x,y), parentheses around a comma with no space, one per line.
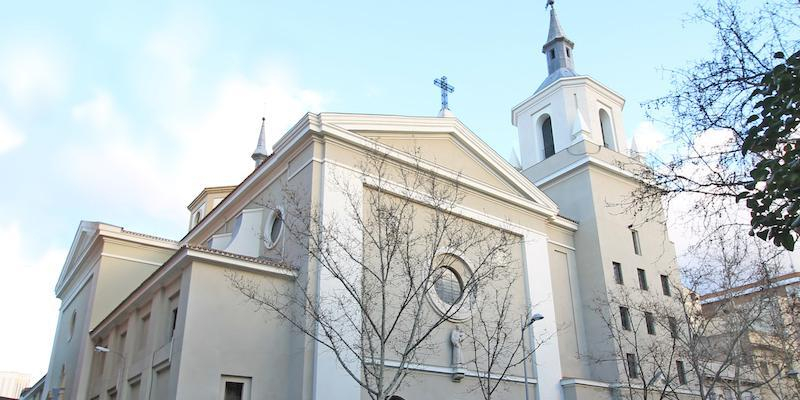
(143,317)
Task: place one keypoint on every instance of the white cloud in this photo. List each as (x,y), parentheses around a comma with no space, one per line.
(30,309)
(10,137)
(171,55)
(32,73)
(210,146)
(648,137)
(712,139)
(99,112)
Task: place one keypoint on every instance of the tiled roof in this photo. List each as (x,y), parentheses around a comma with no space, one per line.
(259,260)
(144,235)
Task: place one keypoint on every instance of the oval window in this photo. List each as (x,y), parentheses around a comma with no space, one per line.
(449,286)
(273,228)
(277,226)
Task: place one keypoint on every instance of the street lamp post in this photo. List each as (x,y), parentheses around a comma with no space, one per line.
(102,349)
(525,324)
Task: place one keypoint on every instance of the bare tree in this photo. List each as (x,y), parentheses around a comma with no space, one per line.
(707,114)
(498,332)
(646,356)
(723,340)
(394,247)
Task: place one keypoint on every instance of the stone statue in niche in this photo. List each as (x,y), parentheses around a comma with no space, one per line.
(456,337)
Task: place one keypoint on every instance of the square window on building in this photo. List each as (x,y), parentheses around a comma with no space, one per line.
(665,288)
(618,273)
(681,372)
(235,388)
(642,279)
(625,318)
(651,323)
(633,368)
(637,248)
(673,327)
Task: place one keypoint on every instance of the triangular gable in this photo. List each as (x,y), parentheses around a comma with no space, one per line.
(497,172)
(84,237)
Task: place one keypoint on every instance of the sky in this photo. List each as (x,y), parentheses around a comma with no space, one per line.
(123,111)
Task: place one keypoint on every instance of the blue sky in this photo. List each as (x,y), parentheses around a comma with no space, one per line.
(123,111)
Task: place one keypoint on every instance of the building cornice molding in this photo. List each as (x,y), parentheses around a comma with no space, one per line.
(184,257)
(566,82)
(333,125)
(348,124)
(450,370)
(87,246)
(581,162)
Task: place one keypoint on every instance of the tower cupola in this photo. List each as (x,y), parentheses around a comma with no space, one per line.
(567,108)
(558,48)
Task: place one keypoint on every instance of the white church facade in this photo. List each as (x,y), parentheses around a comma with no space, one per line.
(144,317)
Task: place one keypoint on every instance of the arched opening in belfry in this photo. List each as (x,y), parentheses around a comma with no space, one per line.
(607,128)
(547,137)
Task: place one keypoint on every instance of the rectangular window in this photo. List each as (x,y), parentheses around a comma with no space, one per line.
(637,249)
(642,279)
(235,388)
(173,315)
(144,326)
(673,327)
(665,285)
(123,340)
(681,372)
(173,322)
(651,323)
(135,391)
(618,273)
(625,318)
(161,386)
(633,369)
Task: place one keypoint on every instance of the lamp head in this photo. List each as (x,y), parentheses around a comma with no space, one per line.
(536,317)
(792,373)
(101,349)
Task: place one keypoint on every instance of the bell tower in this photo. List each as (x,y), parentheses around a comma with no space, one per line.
(566,108)
(572,146)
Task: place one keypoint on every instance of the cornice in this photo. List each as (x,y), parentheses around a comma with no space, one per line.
(341,126)
(182,258)
(570,81)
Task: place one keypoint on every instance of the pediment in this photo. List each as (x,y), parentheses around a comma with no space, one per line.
(84,237)
(447,144)
(445,151)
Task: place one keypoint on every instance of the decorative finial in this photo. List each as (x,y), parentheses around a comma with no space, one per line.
(446,88)
(550,3)
(260,153)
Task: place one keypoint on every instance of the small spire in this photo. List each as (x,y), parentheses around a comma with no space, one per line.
(558,48)
(580,129)
(260,153)
(514,160)
(556,31)
(633,151)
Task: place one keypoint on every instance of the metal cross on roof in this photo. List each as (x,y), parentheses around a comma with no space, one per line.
(446,88)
